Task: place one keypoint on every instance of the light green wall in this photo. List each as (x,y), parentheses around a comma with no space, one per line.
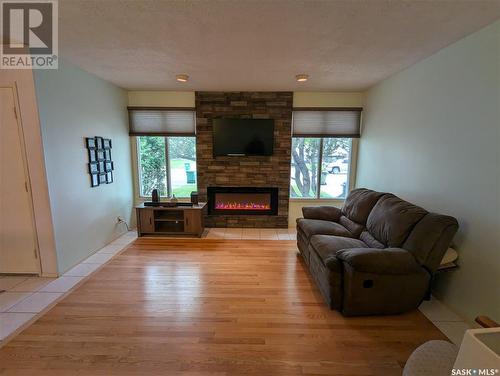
(432,136)
(146,98)
(327,99)
(74,104)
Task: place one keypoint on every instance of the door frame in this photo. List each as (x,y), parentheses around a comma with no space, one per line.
(22,141)
(27,111)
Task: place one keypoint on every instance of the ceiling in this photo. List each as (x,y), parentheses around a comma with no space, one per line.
(260,45)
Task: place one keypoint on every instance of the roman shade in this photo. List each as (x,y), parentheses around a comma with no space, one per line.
(159,121)
(331,122)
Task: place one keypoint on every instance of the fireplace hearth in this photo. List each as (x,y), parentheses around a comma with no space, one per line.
(242,201)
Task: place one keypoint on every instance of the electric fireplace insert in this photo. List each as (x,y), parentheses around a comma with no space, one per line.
(242,200)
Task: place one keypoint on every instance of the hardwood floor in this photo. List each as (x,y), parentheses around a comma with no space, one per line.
(209,307)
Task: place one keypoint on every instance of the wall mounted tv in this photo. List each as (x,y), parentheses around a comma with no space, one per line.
(240,137)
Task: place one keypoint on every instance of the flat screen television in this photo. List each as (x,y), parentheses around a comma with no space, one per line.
(239,137)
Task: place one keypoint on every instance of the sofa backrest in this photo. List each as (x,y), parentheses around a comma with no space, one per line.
(357,208)
(393,222)
(383,220)
(430,238)
(392,219)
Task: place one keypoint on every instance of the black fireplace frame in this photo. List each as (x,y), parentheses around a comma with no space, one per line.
(211,191)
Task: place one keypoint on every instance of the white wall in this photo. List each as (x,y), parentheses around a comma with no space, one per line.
(74,104)
(431,135)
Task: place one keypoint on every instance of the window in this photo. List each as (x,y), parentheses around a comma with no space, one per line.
(320,167)
(166,149)
(321,152)
(167,164)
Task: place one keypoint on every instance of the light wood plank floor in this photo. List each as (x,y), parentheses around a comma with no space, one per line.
(209,307)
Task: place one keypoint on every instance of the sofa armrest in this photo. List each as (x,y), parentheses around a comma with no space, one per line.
(325,213)
(380,261)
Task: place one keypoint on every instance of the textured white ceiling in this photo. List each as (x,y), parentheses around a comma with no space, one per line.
(260,45)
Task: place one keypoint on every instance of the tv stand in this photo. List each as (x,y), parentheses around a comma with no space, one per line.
(170,220)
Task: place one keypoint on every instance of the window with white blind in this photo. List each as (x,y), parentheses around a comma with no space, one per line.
(158,121)
(166,150)
(322,152)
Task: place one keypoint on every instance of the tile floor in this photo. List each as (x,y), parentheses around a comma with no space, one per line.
(26,297)
(451,325)
(251,233)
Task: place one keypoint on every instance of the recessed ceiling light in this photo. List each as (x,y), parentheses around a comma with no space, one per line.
(301,77)
(182,77)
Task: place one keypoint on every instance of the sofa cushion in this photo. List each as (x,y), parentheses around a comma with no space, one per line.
(325,213)
(326,247)
(312,227)
(370,240)
(354,228)
(392,219)
(359,204)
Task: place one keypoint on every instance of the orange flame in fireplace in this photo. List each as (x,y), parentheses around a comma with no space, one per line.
(241,206)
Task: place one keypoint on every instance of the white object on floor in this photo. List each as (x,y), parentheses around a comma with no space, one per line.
(479,354)
(433,358)
(480,349)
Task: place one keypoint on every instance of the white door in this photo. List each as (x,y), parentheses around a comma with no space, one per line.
(18,251)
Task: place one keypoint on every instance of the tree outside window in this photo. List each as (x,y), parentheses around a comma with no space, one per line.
(320,167)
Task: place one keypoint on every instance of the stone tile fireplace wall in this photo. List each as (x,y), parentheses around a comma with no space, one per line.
(251,171)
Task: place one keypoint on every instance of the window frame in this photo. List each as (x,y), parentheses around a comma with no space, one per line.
(351,172)
(137,167)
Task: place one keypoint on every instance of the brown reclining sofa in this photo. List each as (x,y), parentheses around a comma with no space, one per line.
(376,255)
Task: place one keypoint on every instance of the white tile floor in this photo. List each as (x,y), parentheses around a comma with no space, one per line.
(451,325)
(27,297)
(251,233)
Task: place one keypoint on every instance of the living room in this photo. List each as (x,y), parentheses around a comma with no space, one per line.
(254,187)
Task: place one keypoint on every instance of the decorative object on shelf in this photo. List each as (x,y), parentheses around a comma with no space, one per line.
(100,164)
(155,197)
(173,201)
(194,198)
